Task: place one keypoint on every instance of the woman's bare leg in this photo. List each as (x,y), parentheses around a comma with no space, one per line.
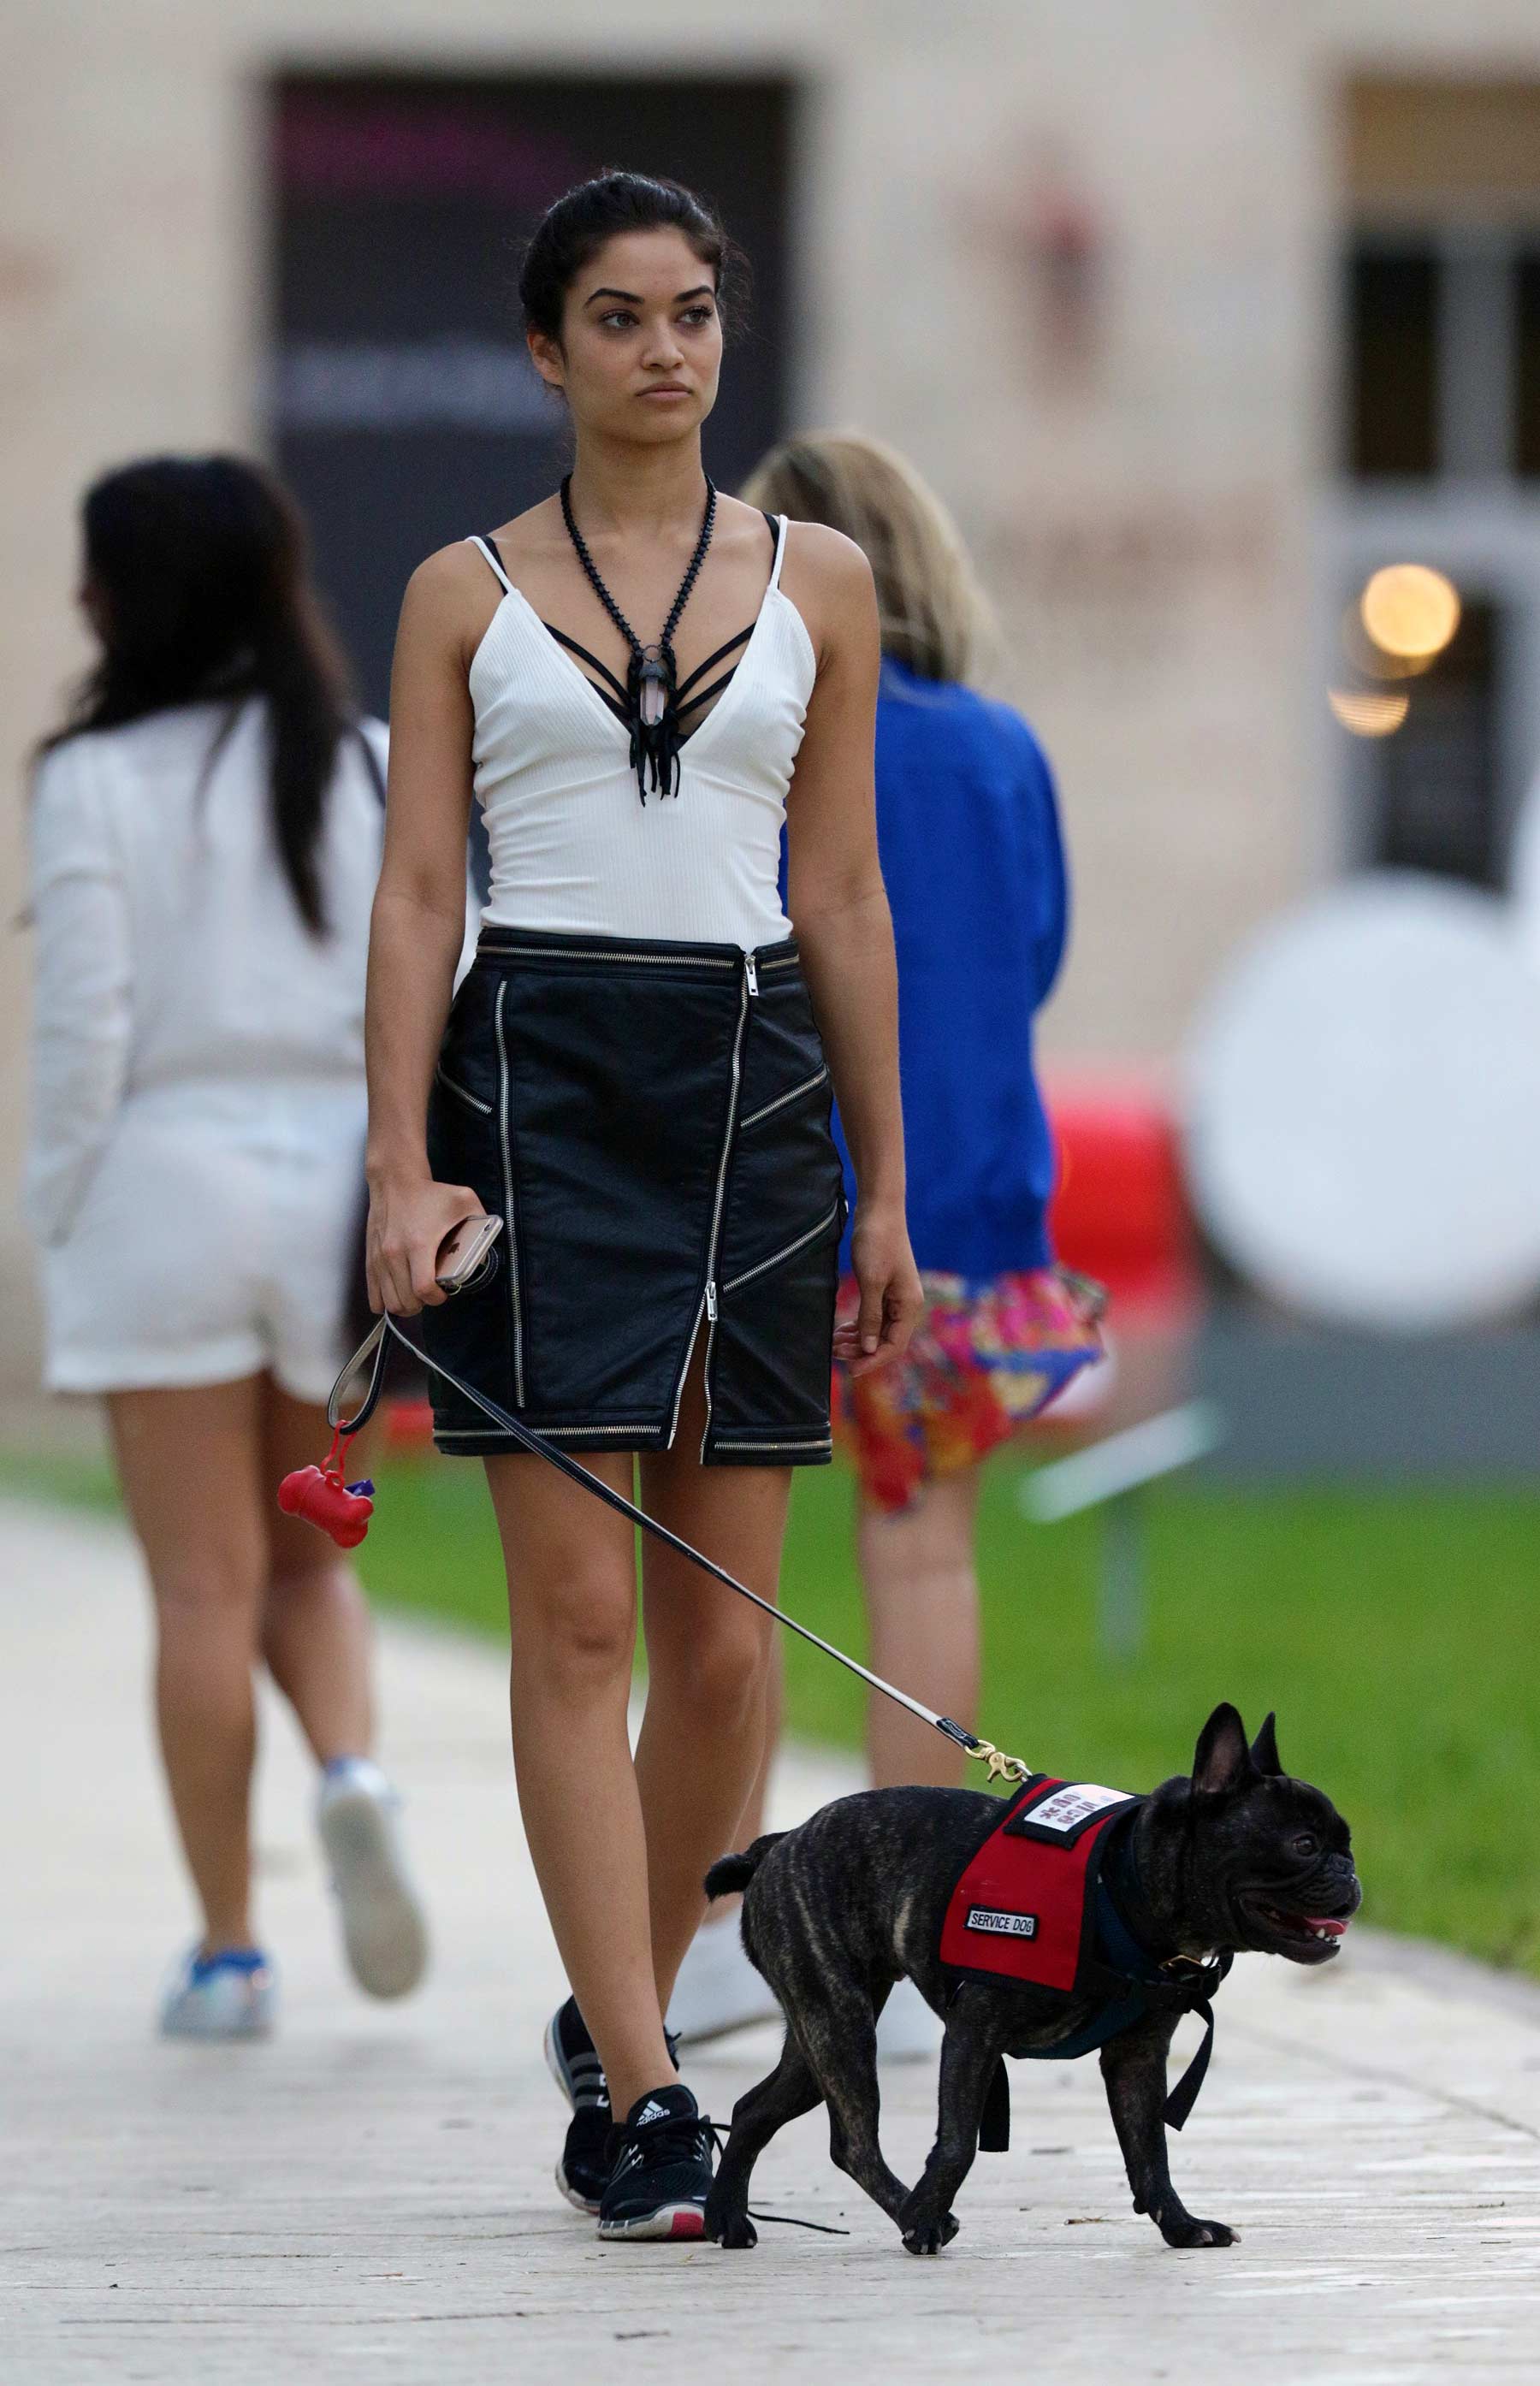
(921,1597)
(571,1568)
(187,1460)
(752,1821)
(315,1626)
(703,1736)
(922,1601)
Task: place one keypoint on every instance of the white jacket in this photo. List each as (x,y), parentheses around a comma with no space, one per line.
(170,951)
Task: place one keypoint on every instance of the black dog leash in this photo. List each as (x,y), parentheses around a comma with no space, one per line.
(1194,1990)
(376,1345)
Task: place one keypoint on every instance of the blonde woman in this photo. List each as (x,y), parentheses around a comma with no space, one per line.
(969,837)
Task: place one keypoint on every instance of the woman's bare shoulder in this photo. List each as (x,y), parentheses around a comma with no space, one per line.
(450,599)
(443,580)
(818,547)
(828,579)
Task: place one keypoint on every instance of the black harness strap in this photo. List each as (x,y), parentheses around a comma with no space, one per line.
(603,669)
(711,661)
(689,703)
(995,2120)
(1184,2096)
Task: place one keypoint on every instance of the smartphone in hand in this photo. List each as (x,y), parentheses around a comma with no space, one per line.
(464,1249)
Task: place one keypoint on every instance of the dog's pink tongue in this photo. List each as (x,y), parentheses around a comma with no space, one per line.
(1329,1923)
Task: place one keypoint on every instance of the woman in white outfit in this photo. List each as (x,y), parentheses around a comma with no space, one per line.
(206,835)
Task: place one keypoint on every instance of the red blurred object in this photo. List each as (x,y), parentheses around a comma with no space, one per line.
(409,1425)
(1120,1212)
(321,1497)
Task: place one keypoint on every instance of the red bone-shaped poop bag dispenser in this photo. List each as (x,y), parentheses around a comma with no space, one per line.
(320,1495)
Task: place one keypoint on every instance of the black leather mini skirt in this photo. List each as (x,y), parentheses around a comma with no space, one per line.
(652,1122)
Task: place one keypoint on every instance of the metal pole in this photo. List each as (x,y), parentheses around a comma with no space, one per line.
(1121,1603)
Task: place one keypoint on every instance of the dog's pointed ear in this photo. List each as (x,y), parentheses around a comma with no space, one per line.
(1264,1748)
(1223,1759)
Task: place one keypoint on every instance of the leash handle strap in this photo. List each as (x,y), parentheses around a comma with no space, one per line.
(376,1345)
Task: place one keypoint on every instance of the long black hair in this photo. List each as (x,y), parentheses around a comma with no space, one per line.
(198,571)
(575,227)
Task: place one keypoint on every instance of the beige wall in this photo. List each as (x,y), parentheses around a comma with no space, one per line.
(1142,517)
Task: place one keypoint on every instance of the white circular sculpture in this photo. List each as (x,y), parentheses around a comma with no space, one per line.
(1525,878)
(1363,1108)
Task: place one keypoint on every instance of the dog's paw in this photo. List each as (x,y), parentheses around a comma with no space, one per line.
(930,2236)
(1185,2231)
(735,2230)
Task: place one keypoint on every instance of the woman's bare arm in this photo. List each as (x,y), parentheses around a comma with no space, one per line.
(839,908)
(417,930)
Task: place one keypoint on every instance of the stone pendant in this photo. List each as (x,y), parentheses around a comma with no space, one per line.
(653,689)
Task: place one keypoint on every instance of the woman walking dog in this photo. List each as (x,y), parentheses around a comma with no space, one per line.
(206,838)
(640,680)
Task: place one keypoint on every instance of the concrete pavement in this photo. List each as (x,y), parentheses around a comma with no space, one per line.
(369,2196)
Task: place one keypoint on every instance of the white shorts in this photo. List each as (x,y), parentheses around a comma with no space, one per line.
(215,1242)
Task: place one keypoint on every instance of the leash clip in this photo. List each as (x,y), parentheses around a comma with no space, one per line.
(1001,1766)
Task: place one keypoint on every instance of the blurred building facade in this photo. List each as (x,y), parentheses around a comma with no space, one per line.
(1195,314)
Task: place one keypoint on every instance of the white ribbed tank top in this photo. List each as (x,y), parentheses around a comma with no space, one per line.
(573,848)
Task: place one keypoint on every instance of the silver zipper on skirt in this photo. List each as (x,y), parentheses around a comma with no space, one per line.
(793,1094)
(749,985)
(515,1314)
(462,1093)
(809,1233)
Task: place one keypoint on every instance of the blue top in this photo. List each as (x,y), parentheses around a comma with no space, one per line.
(967,830)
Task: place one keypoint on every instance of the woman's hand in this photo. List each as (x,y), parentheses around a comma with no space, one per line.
(891,1294)
(407,1221)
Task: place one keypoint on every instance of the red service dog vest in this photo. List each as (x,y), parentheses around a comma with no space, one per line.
(1022,1908)
(1031,1907)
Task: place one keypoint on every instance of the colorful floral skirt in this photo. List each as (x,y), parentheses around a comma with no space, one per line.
(983,1361)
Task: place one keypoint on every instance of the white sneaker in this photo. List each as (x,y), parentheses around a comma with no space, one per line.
(717,1988)
(907,2029)
(357,1814)
(230,1995)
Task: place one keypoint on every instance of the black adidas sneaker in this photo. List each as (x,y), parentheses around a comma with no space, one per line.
(661,2173)
(573,2061)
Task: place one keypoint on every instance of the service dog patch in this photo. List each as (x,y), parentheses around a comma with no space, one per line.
(1064,1810)
(1002,1926)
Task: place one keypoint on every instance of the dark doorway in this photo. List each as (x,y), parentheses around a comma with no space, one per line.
(403,410)
(1436,781)
(1392,358)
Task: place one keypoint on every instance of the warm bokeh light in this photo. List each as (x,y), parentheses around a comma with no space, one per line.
(1370,661)
(1369,711)
(1409,611)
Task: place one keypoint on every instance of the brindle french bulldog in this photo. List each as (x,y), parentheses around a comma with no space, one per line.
(1238,1856)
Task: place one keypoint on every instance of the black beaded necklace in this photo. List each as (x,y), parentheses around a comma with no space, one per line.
(652,676)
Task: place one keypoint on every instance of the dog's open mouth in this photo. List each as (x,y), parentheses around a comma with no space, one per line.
(1316,1934)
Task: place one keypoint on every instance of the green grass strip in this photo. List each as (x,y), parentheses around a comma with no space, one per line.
(1393,1630)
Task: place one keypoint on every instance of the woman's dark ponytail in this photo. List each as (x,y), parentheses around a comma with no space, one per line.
(198,573)
(298,668)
